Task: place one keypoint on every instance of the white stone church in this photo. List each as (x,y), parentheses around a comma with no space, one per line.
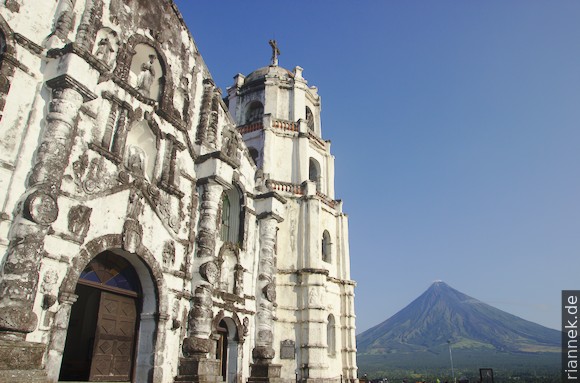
(153,229)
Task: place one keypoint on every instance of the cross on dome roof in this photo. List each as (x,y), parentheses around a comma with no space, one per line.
(275,52)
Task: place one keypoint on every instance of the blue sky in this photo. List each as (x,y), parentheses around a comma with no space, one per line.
(455,126)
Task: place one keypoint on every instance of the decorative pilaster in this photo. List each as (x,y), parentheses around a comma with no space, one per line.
(210,200)
(58,334)
(209,113)
(19,277)
(263,370)
(63,23)
(196,366)
(90,24)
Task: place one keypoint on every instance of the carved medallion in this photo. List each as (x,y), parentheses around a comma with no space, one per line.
(210,272)
(270,292)
(41,208)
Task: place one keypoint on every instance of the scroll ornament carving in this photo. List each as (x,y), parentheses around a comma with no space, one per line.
(91,176)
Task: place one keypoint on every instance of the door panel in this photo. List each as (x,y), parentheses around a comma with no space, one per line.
(114,339)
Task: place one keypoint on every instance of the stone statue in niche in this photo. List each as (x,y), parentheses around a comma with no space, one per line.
(136,160)
(239,279)
(132,229)
(181,98)
(104,50)
(79,220)
(135,207)
(246,323)
(230,145)
(48,288)
(146,77)
(168,254)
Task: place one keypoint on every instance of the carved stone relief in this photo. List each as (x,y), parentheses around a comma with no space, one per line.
(314,297)
(48,288)
(210,272)
(79,220)
(92,177)
(168,254)
(231,146)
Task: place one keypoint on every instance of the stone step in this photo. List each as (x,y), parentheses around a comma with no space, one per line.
(21,376)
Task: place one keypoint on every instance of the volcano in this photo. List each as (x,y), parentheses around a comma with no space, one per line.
(443,316)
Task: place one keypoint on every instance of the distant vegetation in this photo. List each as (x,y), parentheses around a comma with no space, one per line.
(507,367)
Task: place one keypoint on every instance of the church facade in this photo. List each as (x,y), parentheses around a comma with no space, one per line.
(153,229)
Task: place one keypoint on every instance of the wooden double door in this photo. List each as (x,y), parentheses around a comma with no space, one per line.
(112,358)
(101,338)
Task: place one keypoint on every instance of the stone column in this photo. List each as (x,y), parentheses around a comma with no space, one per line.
(63,25)
(90,23)
(205,111)
(263,352)
(19,277)
(58,335)
(196,366)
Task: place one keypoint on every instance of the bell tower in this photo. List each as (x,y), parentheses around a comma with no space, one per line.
(278,115)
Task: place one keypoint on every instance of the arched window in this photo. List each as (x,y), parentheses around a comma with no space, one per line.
(326,253)
(254,112)
(254,154)
(314,172)
(231,216)
(225,229)
(309,119)
(221,351)
(331,335)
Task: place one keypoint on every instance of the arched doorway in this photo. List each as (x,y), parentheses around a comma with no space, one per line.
(101,338)
(227,350)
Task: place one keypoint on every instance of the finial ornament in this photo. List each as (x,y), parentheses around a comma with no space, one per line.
(275,52)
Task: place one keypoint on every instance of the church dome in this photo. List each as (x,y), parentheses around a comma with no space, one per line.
(272,70)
